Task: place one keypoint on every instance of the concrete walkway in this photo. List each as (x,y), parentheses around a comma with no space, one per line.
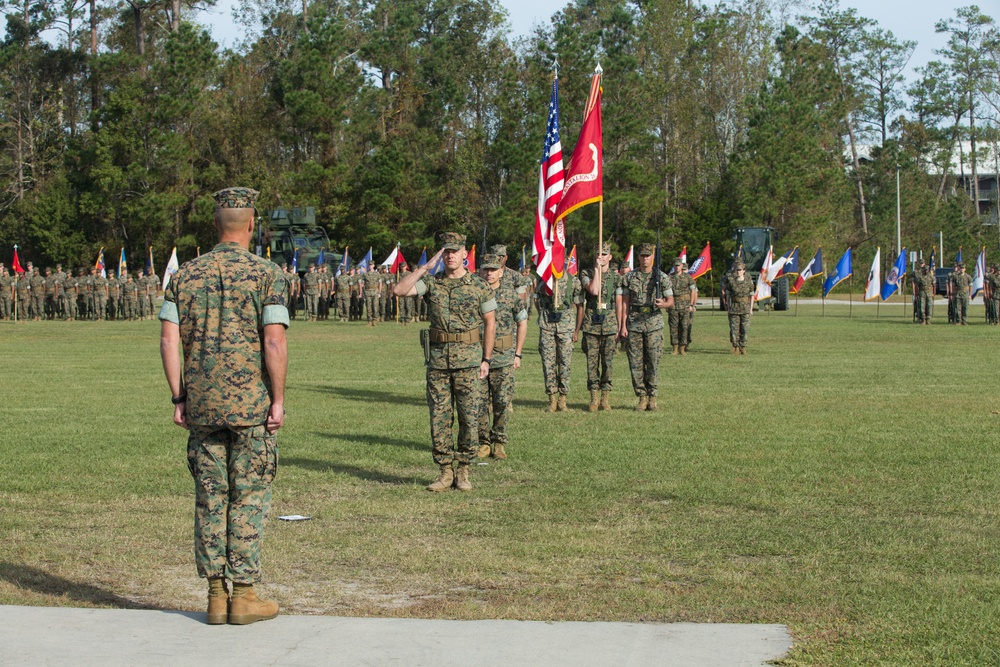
(113,637)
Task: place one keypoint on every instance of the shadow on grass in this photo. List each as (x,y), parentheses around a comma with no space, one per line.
(365,395)
(40,581)
(353,471)
(369,439)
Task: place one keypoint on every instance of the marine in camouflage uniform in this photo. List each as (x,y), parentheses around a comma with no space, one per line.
(923,284)
(679,315)
(643,325)
(511,330)
(342,292)
(131,290)
(37,295)
(373,292)
(152,291)
(100,285)
(960,285)
(406,303)
(83,294)
(22,293)
(460,356)
(602,289)
(6,294)
(227,310)
(558,313)
(992,297)
(310,287)
(738,292)
(71,296)
(114,295)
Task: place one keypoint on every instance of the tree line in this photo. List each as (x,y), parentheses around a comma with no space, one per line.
(397,119)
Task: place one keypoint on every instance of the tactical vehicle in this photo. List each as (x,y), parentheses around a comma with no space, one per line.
(755,241)
(291,231)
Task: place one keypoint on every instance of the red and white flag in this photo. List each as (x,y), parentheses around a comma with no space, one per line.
(584,178)
(702,264)
(470,259)
(813,268)
(630,258)
(394,260)
(571,264)
(551,177)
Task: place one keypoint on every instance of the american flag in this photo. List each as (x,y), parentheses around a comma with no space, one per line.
(551,176)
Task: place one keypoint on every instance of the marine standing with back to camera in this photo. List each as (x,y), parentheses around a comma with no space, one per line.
(227,310)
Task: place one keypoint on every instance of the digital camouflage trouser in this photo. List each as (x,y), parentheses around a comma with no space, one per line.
(961,308)
(680,325)
(739,325)
(600,351)
(556,350)
(406,304)
(6,307)
(312,300)
(644,352)
(498,392)
(233,468)
(344,306)
(371,305)
(464,384)
(925,306)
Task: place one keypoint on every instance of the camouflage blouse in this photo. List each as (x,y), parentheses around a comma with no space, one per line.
(456,305)
(640,287)
(570,294)
(510,311)
(221,302)
(611,287)
(738,293)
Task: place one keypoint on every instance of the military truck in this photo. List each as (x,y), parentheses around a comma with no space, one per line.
(755,241)
(289,230)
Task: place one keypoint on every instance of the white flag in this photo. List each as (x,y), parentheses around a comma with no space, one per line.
(171,269)
(764,287)
(977,282)
(629,260)
(873,288)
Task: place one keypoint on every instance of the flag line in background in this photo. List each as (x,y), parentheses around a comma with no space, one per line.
(873,285)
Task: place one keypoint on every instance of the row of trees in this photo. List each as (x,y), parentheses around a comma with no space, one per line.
(400,118)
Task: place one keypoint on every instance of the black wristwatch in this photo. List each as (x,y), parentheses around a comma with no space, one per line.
(177,400)
(518,356)
(487,361)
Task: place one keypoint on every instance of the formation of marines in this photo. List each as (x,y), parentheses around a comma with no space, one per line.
(88,295)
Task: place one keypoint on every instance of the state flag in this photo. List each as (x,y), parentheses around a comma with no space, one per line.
(840,273)
(813,268)
(702,263)
(873,286)
(895,277)
(470,259)
(172,266)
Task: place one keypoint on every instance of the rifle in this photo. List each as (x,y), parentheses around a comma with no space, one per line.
(656,269)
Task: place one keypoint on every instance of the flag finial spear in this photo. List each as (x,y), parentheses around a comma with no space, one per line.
(555,67)
(599,69)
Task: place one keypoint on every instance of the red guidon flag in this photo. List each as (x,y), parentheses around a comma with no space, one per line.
(702,264)
(17,263)
(584,176)
(571,265)
(470,259)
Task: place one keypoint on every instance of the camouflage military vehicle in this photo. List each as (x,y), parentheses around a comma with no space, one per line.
(755,241)
(290,231)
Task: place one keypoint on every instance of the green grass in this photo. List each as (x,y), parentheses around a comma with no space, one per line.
(842,479)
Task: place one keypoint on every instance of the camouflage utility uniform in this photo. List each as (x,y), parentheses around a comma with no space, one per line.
(221,302)
(6,295)
(498,387)
(679,315)
(992,298)
(373,291)
(556,324)
(37,295)
(960,284)
(924,285)
(22,292)
(600,337)
(738,293)
(342,291)
(310,287)
(645,328)
(456,309)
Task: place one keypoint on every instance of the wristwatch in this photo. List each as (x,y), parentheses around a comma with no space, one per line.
(177,400)
(487,361)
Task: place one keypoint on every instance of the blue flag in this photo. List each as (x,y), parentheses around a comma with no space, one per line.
(839,274)
(896,273)
(295,261)
(366,261)
(958,257)
(345,262)
(321,260)
(438,268)
(524,262)
(423,258)
(791,265)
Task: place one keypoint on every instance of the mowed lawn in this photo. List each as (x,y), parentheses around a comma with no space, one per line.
(842,479)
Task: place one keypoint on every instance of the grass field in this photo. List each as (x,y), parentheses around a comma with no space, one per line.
(843,479)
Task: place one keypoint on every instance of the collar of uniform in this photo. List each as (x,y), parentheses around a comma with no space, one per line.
(230,246)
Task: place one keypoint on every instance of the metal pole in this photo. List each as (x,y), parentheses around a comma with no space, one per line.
(899,242)
(941,247)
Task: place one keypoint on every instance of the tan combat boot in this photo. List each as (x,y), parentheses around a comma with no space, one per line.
(606,400)
(651,404)
(553,403)
(498,451)
(462,482)
(743,351)
(561,403)
(641,406)
(684,349)
(218,601)
(593,401)
(736,350)
(246,607)
(444,480)
(675,352)
(484,450)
